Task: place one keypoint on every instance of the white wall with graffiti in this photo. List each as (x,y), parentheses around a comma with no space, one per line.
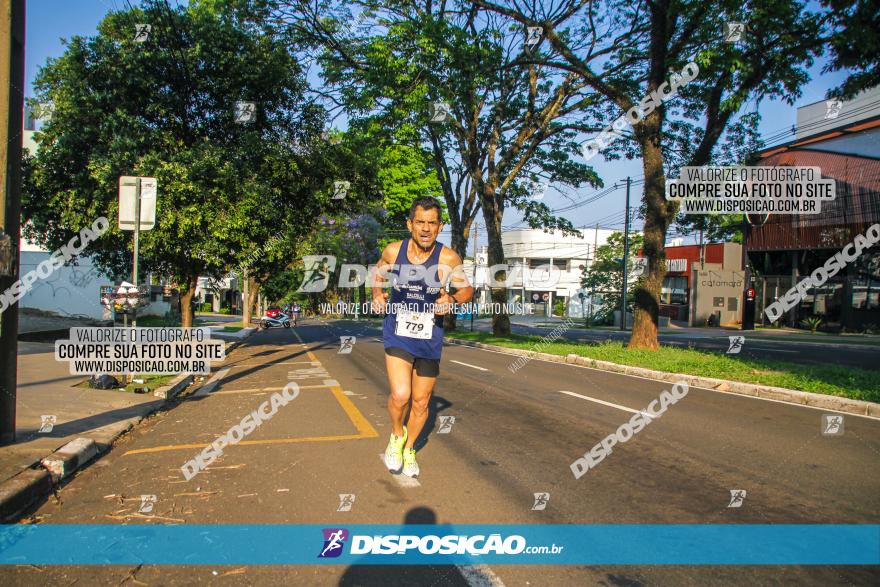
(72,290)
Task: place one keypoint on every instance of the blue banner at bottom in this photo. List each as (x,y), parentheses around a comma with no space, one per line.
(650,544)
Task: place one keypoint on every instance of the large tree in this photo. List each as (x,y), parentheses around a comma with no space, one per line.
(604,276)
(626,50)
(166,107)
(508,123)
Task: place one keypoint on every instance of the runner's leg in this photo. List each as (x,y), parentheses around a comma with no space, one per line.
(400,373)
(422,387)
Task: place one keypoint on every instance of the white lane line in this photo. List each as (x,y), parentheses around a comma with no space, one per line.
(604,403)
(269,364)
(480,576)
(467,365)
(664,382)
(211,384)
(400,478)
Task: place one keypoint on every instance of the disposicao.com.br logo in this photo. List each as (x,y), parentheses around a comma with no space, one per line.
(450,544)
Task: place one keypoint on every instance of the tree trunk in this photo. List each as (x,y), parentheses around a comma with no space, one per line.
(186,296)
(245,299)
(460,236)
(253,292)
(492,214)
(646,307)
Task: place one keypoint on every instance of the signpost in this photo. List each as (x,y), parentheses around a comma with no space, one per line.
(137,212)
(582,294)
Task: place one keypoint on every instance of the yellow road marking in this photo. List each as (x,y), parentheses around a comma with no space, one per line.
(266,389)
(270,364)
(363,426)
(268,441)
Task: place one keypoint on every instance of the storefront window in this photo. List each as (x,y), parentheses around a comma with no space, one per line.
(866,285)
(674,290)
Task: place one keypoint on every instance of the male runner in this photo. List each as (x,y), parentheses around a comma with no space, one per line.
(418,267)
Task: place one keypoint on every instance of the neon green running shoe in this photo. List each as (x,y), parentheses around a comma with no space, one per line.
(394,452)
(410,466)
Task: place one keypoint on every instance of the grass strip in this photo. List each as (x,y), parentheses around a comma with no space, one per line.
(848,382)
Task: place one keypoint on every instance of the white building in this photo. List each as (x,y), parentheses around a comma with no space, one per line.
(527,250)
(218,292)
(530,254)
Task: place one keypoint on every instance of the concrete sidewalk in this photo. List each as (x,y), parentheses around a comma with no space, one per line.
(45,387)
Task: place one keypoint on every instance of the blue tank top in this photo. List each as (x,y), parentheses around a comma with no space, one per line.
(415,294)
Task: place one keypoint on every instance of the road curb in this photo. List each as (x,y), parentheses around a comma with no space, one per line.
(233,344)
(19,492)
(70,457)
(804,398)
(22,490)
(175,386)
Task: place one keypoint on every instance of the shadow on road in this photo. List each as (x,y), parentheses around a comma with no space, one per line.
(405,575)
(437,405)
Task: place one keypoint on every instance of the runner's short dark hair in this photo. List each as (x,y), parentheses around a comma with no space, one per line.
(426,203)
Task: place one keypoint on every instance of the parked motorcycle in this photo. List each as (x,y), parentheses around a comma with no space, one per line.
(280,320)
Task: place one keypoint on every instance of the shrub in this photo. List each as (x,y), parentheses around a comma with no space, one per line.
(559,308)
(812,323)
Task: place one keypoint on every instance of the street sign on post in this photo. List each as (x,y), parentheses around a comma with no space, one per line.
(128,202)
(137,209)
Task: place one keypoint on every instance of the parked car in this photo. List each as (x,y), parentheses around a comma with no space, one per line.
(273,312)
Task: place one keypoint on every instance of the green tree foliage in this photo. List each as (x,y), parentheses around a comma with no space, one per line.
(625,51)
(166,108)
(509,122)
(603,278)
(405,173)
(855,44)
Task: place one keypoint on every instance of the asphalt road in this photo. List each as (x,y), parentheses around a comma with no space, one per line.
(864,357)
(513,435)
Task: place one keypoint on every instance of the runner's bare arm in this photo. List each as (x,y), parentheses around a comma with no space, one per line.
(380,296)
(457,279)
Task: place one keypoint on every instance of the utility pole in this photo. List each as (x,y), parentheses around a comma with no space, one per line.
(12,29)
(476,225)
(593,262)
(625,258)
(702,251)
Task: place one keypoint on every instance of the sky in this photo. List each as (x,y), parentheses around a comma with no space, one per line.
(50,21)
